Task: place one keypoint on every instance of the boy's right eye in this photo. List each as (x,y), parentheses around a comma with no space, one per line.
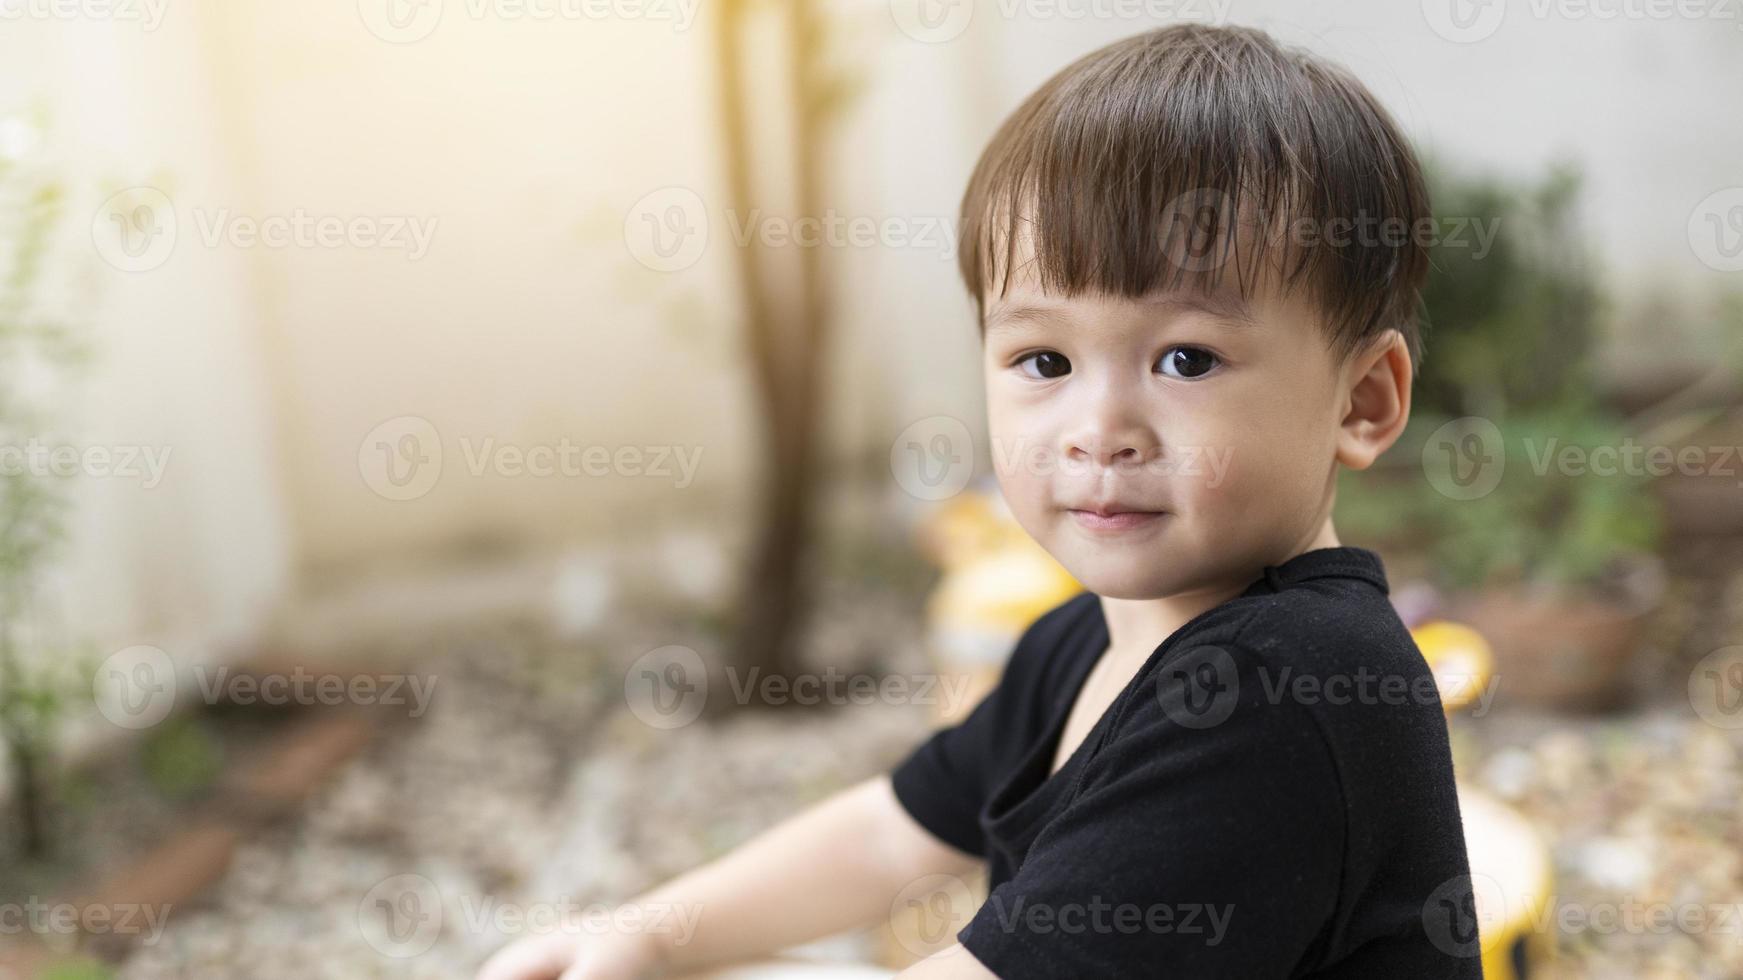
(1045,365)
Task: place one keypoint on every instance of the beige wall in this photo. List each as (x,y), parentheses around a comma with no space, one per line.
(527,321)
(191,558)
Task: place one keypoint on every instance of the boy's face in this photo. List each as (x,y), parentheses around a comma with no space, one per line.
(1222,430)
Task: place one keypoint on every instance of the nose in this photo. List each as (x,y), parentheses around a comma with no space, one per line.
(1112,430)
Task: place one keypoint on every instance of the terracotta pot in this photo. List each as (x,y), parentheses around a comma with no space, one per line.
(1703,503)
(1570,650)
(1700,490)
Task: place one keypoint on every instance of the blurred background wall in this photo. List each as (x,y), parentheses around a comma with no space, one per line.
(523,145)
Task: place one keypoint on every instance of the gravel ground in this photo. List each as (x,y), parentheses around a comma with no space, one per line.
(1643,809)
(527,783)
(1640,812)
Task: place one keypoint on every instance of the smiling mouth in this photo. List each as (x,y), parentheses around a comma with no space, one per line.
(1116,520)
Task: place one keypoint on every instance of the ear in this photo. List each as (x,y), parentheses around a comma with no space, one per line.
(1377,384)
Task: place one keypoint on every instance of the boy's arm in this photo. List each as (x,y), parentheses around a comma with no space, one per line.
(836,866)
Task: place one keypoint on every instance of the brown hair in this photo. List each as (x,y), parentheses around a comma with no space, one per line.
(1135,162)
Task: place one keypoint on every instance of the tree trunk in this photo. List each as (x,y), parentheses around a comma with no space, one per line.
(786,341)
(32,834)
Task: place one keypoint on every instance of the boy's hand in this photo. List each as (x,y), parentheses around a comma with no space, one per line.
(835,866)
(564,957)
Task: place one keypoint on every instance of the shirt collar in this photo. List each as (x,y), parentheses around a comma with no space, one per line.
(1340,562)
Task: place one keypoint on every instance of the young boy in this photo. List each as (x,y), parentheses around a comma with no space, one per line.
(1197,258)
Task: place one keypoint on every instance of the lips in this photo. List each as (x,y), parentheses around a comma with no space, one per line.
(1111,508)
(1115,517)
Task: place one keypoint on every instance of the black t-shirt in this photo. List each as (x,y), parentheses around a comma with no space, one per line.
(1271,795)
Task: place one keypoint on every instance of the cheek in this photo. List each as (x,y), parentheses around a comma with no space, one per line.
(1257,452)
(1013,451)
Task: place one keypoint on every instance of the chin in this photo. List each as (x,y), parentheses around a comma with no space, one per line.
(1156,578)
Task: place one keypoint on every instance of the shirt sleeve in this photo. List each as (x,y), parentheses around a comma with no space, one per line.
(1205,839)
(945,782)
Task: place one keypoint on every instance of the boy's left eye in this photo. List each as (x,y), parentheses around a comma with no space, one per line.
(1188,363)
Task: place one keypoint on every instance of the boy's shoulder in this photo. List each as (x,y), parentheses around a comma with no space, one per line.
(1057,637)
(1328,606)
(1317,633)
(1329,617)
(1328,627)
(1315,646)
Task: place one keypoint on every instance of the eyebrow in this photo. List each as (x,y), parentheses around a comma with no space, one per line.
(1010,317)
(1232,311)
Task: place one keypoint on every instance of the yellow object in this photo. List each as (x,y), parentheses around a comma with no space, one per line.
(998,595)
(1512,881)
(1460,659)
(1510,870)
(997,581)
(963,527)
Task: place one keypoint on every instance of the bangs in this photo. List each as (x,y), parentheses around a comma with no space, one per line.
(1177,158)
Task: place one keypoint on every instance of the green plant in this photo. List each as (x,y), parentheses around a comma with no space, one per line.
(1511,326)
(1538,524)
(32,504)
(78,968)
(1513,331)
(182,758)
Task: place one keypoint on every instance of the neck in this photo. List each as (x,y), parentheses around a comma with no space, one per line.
(1137,626)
